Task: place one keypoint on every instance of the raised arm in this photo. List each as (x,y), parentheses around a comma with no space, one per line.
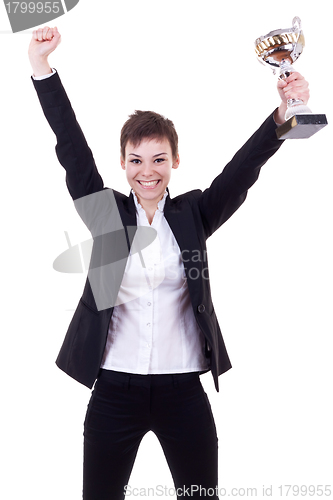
(229,189)
(72,150)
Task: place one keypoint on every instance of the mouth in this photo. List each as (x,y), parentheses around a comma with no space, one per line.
(149,184)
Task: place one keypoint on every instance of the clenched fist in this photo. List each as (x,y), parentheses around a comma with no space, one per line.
(44,41)
(293,87)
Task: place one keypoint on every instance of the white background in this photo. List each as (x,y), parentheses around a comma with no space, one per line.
(271,264)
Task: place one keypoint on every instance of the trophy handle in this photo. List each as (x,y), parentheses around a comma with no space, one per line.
(294,106)
(297,25)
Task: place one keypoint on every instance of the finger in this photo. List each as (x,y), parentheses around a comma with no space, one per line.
(298,95)
(294,76)
(296,80)
(302,94)
(49,34)
(297,84)
(281,84)
(46,29)
(297,87)
(40,34)
(55,32)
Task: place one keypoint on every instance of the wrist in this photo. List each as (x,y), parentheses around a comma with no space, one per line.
(40,66)
(280,113)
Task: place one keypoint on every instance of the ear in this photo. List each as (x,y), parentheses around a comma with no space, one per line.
(122,163)
(176,162)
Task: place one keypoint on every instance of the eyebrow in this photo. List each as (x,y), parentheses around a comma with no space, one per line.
(138,156)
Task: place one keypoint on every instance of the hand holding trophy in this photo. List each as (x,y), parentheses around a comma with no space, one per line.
(279,49)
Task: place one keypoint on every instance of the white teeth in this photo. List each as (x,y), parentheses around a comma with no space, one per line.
(150,183)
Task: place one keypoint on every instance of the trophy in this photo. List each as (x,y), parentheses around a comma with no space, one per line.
(279,49)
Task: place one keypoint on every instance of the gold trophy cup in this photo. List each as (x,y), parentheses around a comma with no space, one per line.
(279,49)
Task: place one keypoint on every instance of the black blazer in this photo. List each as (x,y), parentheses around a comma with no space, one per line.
(192,217)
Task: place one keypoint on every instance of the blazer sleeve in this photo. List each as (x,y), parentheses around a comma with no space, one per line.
(229,189)
(73,152)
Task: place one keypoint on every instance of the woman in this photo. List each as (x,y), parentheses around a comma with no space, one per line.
(145,326)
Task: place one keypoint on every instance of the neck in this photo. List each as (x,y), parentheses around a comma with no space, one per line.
(150,214)
(149,207)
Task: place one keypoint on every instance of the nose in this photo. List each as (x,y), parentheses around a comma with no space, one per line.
(147,170)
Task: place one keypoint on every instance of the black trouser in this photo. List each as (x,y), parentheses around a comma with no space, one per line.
(123,407)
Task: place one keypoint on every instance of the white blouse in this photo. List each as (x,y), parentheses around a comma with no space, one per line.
(153,329)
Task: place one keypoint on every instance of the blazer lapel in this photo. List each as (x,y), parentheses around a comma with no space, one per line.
(179,216)
(128,217)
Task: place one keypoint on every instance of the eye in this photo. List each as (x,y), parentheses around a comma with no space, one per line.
(135,161)
(159,160)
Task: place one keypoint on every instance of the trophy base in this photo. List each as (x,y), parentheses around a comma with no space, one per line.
(301,126)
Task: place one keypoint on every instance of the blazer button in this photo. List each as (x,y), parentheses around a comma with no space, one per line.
(201,308)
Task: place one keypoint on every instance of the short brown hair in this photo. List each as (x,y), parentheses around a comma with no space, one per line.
(148,125)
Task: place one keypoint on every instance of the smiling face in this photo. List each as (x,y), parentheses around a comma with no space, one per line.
(148,169)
